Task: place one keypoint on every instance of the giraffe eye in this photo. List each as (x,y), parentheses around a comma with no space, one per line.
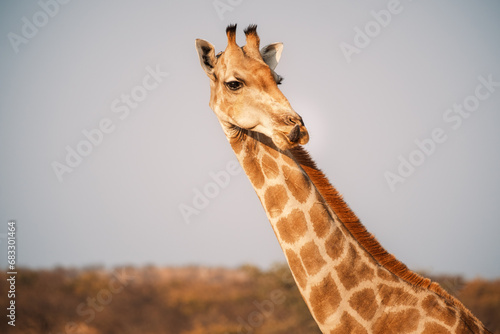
(234,85)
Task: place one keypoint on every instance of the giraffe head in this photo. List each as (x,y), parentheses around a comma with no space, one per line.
(244,91)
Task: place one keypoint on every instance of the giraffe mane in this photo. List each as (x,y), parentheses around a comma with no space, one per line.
(366,239)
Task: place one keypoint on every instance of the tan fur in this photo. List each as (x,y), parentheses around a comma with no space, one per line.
(296,267)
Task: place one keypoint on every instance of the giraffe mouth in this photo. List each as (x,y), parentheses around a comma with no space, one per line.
(298,135)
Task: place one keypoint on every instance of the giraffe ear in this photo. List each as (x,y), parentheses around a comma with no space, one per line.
(271,54)
(206,53)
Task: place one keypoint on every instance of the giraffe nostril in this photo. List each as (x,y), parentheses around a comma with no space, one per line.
(295,120)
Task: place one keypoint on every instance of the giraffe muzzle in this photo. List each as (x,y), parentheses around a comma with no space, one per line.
(294,135)
(298,135)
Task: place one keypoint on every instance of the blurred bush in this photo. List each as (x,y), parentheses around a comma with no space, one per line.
(187,300)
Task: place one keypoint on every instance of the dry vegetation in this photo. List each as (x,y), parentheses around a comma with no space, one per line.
(187,300)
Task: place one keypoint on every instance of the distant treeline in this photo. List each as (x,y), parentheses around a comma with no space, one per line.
(186,300)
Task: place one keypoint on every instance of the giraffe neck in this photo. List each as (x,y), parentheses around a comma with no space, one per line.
(349,282)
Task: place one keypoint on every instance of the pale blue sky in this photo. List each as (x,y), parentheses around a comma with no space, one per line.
(129,68)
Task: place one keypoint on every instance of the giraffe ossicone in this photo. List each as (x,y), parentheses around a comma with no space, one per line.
(349,282)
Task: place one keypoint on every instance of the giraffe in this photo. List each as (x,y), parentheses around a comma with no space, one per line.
(349,282)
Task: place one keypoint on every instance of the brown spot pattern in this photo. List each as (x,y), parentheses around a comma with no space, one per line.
(254,171)
(311,258)
(292,227)
(297,182)
(405,321)
(464,327)
(334,244)
(386,275)
(352,270)
(296,267)
(391,296)
(275,200)
(364,303)
(433,308)
(434,328)
(270,167)
(320,219)
(325,299)
(349,325)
